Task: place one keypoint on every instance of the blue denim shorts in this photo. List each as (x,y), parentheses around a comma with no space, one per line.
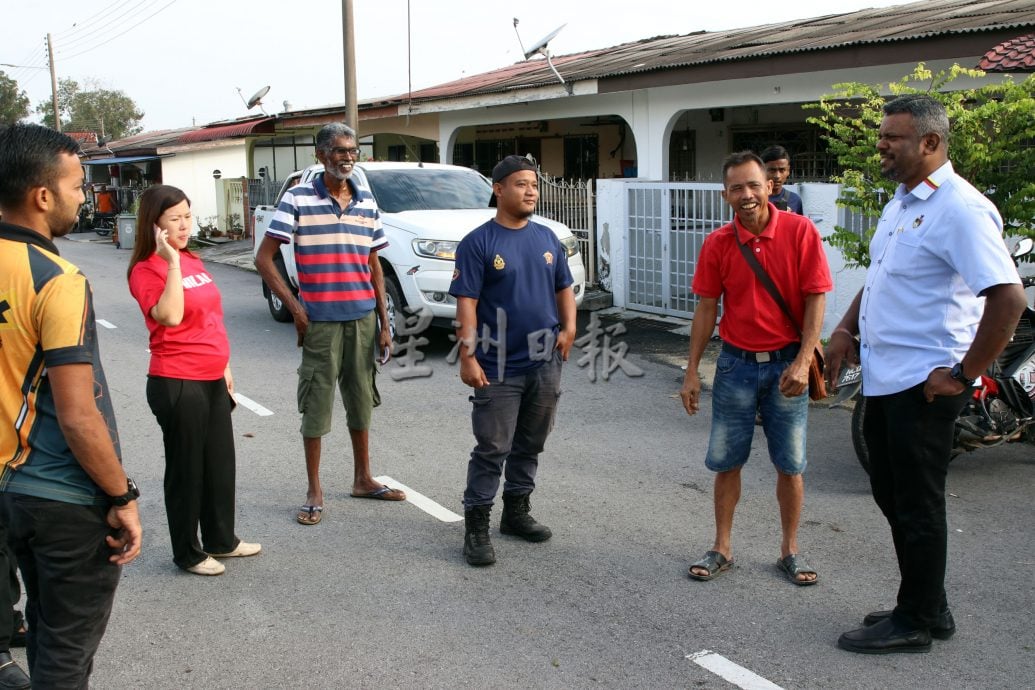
(741,390)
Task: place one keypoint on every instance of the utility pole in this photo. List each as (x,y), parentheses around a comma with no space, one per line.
(53,82)
(348,43)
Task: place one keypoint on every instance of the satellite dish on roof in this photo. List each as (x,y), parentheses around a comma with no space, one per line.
(256,99)
(540,45)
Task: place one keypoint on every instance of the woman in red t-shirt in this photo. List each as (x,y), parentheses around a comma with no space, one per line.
(189,385)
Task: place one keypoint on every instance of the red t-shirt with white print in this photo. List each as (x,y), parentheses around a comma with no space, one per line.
(198,349)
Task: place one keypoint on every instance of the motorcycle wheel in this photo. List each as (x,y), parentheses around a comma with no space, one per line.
(858,440)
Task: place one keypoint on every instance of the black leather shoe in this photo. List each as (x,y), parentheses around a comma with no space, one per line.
(885,637)
(12,677)
(942,630)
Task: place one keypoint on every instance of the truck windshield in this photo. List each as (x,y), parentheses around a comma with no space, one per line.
(428,189)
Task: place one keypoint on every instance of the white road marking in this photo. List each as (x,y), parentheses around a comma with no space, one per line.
(106,324)
(724,668)
(252,405)
(421,501)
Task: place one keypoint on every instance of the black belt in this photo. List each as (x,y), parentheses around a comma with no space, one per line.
(782,355)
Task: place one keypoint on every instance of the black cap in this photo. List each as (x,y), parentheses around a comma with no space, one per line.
(509,165)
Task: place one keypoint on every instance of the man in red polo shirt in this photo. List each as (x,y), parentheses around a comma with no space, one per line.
(763,368)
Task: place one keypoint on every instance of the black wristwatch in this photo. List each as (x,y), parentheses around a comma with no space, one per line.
(957,373)
(131,495)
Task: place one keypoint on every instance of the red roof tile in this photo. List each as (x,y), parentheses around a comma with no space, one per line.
(263,125)
(1015,55)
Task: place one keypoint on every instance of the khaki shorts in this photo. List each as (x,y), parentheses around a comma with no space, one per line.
(342,352)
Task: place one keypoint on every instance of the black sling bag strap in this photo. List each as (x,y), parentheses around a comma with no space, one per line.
(766,281)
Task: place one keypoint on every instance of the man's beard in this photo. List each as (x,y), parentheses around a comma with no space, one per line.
(336,174)
(66,228)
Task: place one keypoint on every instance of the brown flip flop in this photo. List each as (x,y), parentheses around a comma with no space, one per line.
(309,515)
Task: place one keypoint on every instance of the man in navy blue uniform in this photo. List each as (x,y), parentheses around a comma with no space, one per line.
(778,169)
(515,325)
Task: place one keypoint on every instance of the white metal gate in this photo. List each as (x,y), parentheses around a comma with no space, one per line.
(230,207)
(572,203)
(667,223)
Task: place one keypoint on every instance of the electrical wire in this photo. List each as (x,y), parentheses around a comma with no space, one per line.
(103,43)
(36,59)
(80,26)
(113,24)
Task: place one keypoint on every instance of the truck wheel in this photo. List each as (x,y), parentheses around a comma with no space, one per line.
(395,304)
(278,310)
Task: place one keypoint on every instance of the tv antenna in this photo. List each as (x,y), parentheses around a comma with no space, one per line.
(256,99)
(540,47)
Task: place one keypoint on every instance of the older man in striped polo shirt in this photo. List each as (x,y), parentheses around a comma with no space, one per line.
(336,228)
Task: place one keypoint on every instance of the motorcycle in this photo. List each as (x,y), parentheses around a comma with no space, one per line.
(1002,407)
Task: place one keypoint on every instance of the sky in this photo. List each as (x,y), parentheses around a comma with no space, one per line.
(183,61)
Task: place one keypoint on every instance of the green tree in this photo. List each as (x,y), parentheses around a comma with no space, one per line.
(110,113)
(991,144)
(14,104)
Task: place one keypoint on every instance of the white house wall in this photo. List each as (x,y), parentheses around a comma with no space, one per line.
(190,169)
(652,113)
(665,104)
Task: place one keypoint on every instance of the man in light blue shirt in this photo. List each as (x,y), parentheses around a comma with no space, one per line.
(940,302)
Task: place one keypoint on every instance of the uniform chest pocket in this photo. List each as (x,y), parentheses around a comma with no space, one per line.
(907,255)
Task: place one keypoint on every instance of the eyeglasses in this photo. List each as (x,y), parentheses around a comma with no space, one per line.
(341,151)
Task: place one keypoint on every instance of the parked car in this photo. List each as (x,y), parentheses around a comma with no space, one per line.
(426,209)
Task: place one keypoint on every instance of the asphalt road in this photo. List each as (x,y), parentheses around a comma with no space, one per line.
(378,594)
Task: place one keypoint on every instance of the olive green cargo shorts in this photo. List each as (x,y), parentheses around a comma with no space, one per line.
(342,352)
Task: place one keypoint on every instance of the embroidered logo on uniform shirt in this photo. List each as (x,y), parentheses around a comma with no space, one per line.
(456,273)
(549,258)
(917,221)
(498,263)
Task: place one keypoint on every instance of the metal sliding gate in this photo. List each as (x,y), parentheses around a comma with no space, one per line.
(667,223)
(572,203)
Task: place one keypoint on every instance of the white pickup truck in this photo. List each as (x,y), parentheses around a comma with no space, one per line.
(426,209)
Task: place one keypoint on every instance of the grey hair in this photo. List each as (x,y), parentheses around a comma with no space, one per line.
(329,132)
(929,116)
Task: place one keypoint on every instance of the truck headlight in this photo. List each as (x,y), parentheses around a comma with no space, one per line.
(435,249)
(571,245)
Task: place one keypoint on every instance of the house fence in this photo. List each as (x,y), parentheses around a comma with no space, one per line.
(666,226)
(573,203)
(650,237)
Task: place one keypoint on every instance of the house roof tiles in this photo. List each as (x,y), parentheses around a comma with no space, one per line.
(1014,55)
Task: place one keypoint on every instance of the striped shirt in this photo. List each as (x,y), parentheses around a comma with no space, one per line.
(332,248)
(46,321)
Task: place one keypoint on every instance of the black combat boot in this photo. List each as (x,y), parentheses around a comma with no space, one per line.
(477,547)
(518,522)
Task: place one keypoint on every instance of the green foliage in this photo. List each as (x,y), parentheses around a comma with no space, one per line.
(14,104)
(992,145)
(112,114)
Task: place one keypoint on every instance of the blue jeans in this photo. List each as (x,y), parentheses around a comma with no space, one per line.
(741,390)
(69,584)
(511,420)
